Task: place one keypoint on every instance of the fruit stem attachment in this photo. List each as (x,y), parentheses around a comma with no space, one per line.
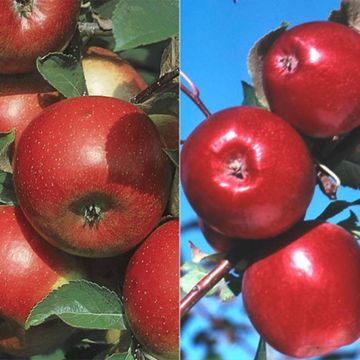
(204,285)
(92,29)
(194,94)
(92,215)
(24,7)
(329,182)
(165,81)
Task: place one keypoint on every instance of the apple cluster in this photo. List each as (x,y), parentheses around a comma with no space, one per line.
(92,181)
(248,174)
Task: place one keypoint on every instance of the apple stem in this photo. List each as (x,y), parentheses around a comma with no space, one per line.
(328,181)
(92,29)
(194,94)
(204,285)
(164,82)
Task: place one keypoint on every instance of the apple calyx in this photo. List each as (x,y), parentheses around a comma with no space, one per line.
(24,7)
(236,167)
(289,63)
(92,214)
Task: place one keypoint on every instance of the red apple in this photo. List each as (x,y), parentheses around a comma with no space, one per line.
(247,173)
(311,77)
(29,269)
(34,28)
(303,293)
(106,74)
(22,97)
(218,241)
(168,127)
(151,292)
(91,176)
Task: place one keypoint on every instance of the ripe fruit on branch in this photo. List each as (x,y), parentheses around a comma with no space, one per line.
(151,292)
(237,162)
(91,176)
(29,269)
(303,293)
(23,97)
(311,78)
(219,242)
(106,74)
(34,28)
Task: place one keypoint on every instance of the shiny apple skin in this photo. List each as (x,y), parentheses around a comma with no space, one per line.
(218,241)
(47,28)
(106,74)
(278,173)
(29,269)
(22,98)
(151,292)
(319,92)
(92,151)
(303,294)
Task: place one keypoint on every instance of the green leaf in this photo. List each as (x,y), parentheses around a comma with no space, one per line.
(173,156)
(7,192)
(170,58)
(146,57)
(57,354)
(226,294)
(351,224)
(249,95)
(138,22)
(335,208)
(348,171)
(64,73)
(261,350)
(104,9)
(80,304)
(174,196)
(121,356)
(194,273)
(256,58)
(6,141)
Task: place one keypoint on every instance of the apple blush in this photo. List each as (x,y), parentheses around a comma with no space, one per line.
(91,176)
(302,293)
(30,269)
(247,173)
(30,29)
(151,292)
(311,78)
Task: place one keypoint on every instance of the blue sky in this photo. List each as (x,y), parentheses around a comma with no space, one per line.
(216,36)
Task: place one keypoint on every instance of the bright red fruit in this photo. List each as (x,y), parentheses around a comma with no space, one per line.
(247,173)
(34,28)
(21,99)
(29,269)
(219,242)
(311,77)
(303,293)
(91,176)
(151,292)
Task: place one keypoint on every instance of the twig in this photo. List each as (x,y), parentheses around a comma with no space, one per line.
(328,181)
(157,85)
(91,29)
(194,94)
(204,285)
